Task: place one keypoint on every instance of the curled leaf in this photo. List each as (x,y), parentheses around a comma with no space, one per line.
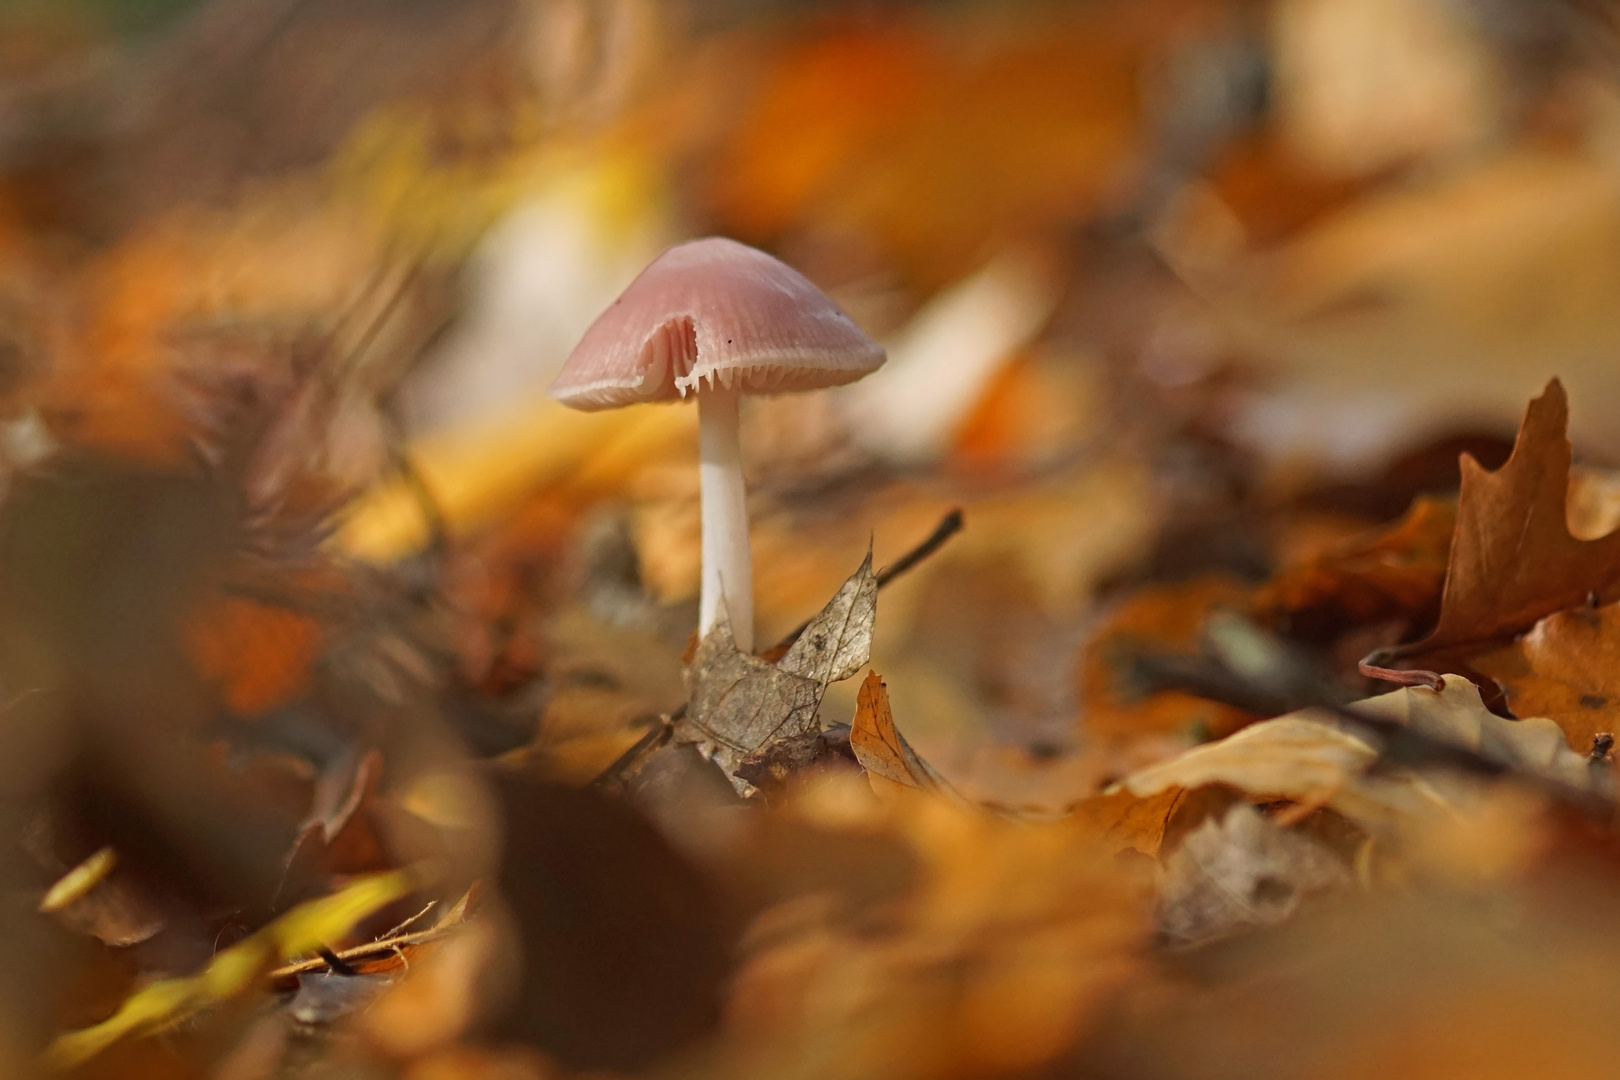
(882,751)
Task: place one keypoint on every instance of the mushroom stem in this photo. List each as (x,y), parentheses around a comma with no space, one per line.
(727,562)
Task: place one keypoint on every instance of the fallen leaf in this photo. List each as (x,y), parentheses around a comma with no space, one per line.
(1566,668)
(96,898)
(1513,560)
(741,704)
(1307,758)
(1392,572)
(1128,822)
(1240,872)
(838,641)
(1292,757)
(1457,715)
(883,752)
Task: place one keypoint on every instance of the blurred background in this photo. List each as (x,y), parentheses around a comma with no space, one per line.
(1175,293)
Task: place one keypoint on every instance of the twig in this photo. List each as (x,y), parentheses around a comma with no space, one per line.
(948,526)
(391,943)
(359,954)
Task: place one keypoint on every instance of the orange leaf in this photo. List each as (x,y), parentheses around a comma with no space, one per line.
(1566,669)
(1393,572)
(883,752)
(260,654)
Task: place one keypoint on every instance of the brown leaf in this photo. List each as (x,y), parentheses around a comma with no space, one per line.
(1294,757)
(96,898)
(1566,668)
(1513,560)
(838,641)
(1392,572)
(882,751)
(740,704)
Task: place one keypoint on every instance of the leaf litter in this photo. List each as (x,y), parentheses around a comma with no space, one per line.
(295,653)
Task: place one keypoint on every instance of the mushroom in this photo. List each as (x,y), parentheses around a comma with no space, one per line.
(717,319)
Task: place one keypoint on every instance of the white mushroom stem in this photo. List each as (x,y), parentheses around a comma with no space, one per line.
(728,565)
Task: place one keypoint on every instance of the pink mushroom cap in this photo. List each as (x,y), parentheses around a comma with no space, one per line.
(720,312)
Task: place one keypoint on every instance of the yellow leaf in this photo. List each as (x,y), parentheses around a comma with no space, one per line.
(304,929)
(77,883)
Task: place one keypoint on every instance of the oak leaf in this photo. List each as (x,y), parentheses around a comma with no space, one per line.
(1513,560)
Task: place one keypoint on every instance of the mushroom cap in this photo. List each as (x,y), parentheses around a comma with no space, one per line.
(720,312)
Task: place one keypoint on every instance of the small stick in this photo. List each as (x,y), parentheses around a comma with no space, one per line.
(948,526)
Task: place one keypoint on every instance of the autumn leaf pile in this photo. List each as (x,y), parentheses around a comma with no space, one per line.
(1181,666)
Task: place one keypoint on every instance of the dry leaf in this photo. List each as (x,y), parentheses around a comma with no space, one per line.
(1458,716)
(838,641)
(96,898)
(882,751)
(1128,822)
(1513,560)
(1392,572)
(741,704)
(1307,758)
(1293,757)
(1567,668)
(1239,872)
